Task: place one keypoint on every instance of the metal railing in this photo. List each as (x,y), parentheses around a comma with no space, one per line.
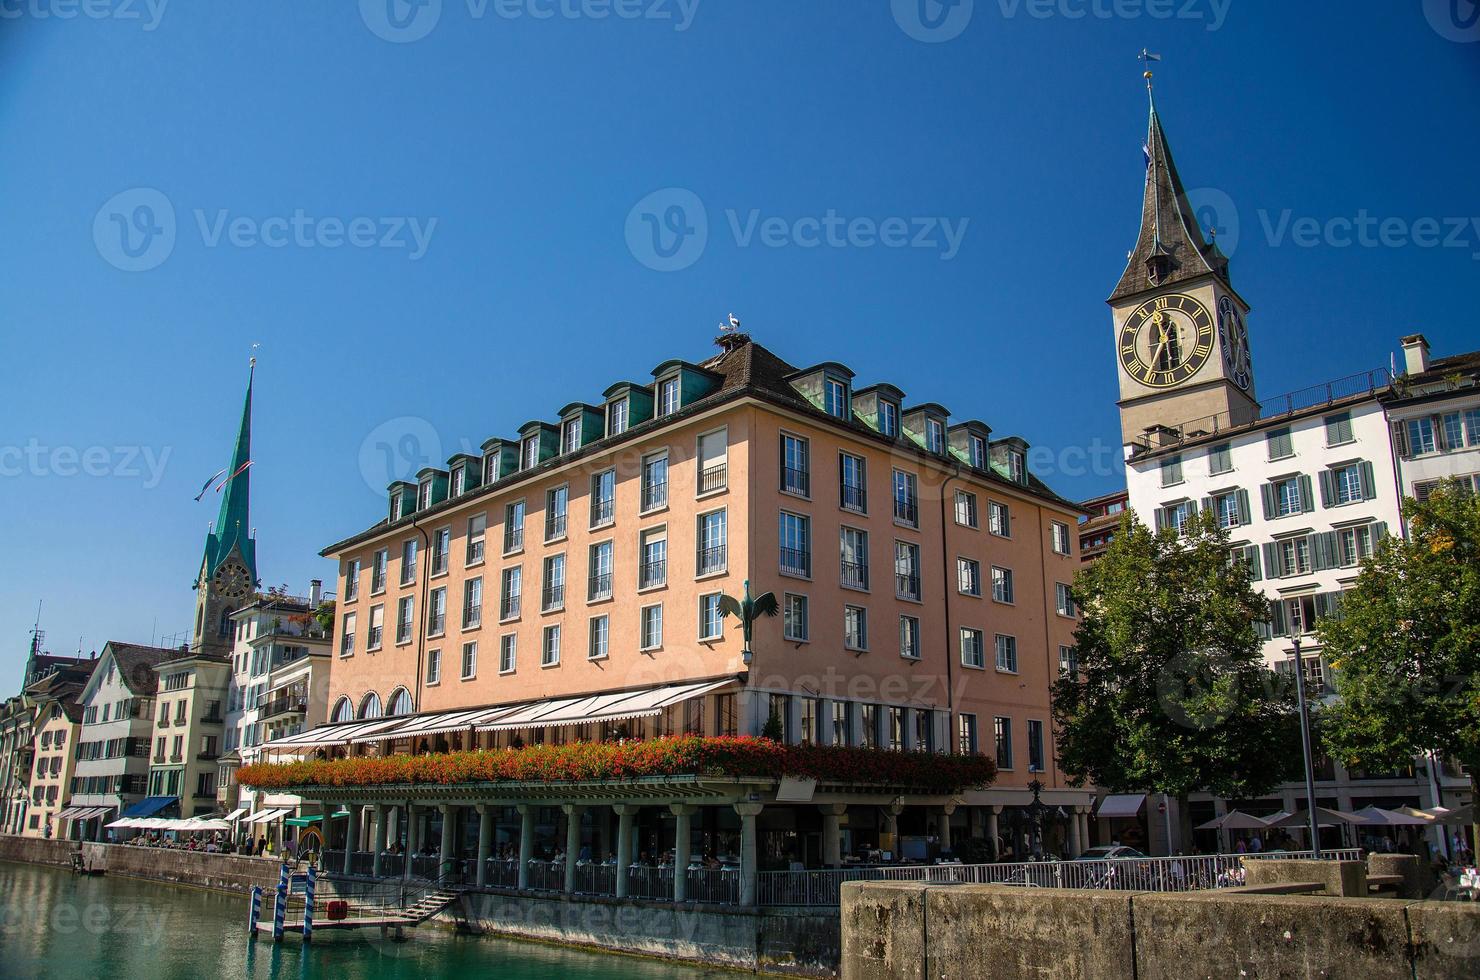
(797,561)
(713,478)
(654,494)
(710,560)
(553,597)
(473,616)
(854,498)
(554,526)
(509,606)
(796,481)
(652,573)
(1159,874)
(907,586)
(436,624)
(855,574)
(600,586)
(546,876)
(603,509)
(906,511)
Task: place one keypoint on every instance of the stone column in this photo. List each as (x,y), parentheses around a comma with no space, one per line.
(993,812)
(572,843)
(446,855)
(748,853)
(825,721)
(377,837)
(1085,831)
(683,848)
(1076,846)
(526,841)
(625,812)
(945,825)
(351,835)
(485,841)
(908,734)
(832,833)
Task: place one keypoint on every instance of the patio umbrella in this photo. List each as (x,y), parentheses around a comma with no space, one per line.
(1236,820)
(1391,818)
(1464,815)
(1324,818)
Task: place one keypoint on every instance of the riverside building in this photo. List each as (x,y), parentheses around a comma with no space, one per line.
(1306,483)
(566,585)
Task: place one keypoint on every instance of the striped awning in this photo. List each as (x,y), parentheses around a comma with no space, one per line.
(82,812)
(235,814)
(647,702)
(265,816)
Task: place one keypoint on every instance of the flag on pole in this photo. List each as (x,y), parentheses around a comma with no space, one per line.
(207,485)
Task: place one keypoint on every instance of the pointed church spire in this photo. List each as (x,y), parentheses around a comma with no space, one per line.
(233,524)
(1171,247)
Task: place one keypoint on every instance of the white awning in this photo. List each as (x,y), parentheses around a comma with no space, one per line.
(265,816)
(616,706)
(1123,805)
(340,734)
(437,724)
(71,812)
(235,814)
(91,812)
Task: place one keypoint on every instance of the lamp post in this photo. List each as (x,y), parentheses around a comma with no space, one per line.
(1310,772)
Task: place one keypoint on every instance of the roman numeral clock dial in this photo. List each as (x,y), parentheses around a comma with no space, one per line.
(1166,341)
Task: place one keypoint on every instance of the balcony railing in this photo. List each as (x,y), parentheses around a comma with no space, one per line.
(436,624)
(283,706)
(654,494)
(710,560)
(796,561)
(906,585)
(554,526)
(652,573)
(855,575)
(713,478)
(603,509)
(854,498)
(553,597)
(207,756)
(509,607)
(472,616)
(796,481)
(376,635)
(906,511)
(513,538)
(600,586)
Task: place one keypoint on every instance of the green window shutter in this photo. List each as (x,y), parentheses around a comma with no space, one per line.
(1277,618)
(1379,531)
(1307,498)
(1400,440)
(1328,487)
(1251,559)
(1272,560)
(1369,481)
(1207,503)
(1243,507)
(1161,518)
(1323,550)
(1266,493)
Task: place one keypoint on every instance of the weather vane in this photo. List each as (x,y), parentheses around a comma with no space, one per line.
(255,348)
(1146,58)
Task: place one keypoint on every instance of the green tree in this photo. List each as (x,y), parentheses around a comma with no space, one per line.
(1171,694)
(1406,650)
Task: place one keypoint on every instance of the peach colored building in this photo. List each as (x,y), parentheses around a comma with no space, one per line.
(920,569)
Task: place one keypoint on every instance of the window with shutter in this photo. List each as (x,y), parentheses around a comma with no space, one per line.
(1251,559)
(1328,487)
(1307,498)
(1267,498)
(1278,622)
(1272,564)
(1338,429)
(1369,481)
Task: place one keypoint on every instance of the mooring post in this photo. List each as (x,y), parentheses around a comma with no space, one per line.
(256,911)
(280,906)
(308,903)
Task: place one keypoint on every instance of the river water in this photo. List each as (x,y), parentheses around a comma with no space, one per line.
(56,924)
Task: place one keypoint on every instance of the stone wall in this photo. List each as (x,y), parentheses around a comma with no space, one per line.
(899,930)
(799,942)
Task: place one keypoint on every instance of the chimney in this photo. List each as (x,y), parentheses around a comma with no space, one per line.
(315,592)
(1415,354)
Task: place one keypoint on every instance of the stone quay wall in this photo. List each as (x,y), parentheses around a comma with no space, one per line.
(917,930)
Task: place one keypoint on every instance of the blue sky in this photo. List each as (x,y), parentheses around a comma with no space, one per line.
(438,223)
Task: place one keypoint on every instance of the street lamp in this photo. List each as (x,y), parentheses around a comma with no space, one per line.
(1310,772)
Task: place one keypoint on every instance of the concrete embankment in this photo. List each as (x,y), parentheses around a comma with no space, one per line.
(793,942)
(914,930)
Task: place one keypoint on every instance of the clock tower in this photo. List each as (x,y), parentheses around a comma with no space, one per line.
(228,572)
(1181,344)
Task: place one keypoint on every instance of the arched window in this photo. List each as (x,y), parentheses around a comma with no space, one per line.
(224,629)
(343,710)
(400,703)
(370,706)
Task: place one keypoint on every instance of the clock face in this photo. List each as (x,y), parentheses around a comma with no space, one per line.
(1166,341)
(1234,337)
(232,580)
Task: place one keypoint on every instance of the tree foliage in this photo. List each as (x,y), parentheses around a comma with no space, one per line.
(1171,693)
(1406,650)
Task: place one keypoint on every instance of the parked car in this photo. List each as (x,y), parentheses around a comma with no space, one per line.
(1108,852)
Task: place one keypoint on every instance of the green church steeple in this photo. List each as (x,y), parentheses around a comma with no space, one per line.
(233,528)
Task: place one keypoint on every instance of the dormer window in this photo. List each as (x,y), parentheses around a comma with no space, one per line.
(459,480)
(889,419)
(1016,466)
(490,468)
(529,452)
(424,495)
(395,505)
(616,418)
(668,396)
(570,435)
(935,436)
(978,453)
(835,398)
